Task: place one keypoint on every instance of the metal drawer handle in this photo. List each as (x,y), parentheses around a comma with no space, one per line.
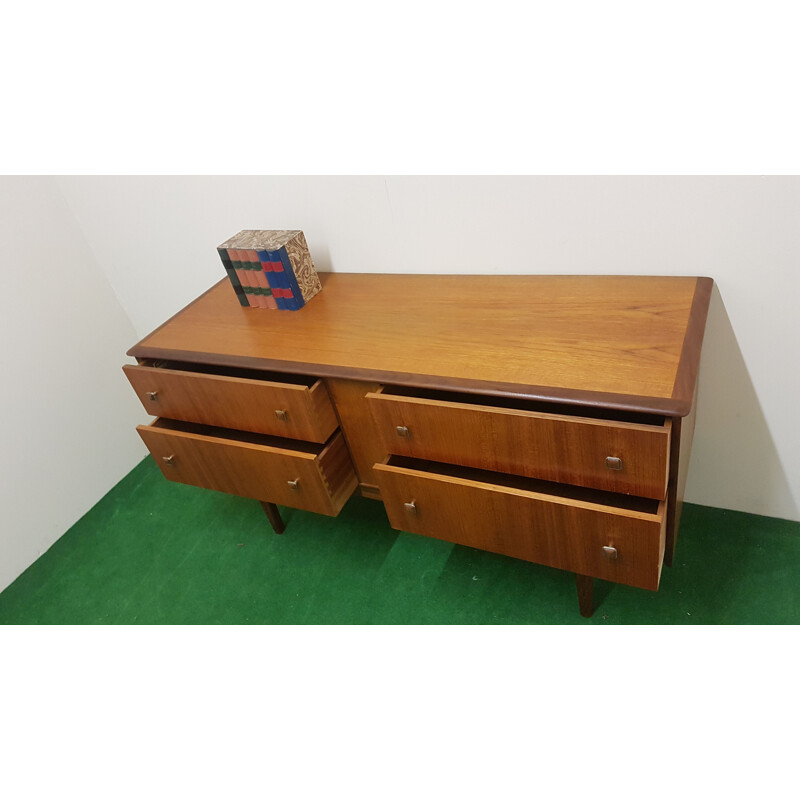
(411,508)
(610,552)
(614,463)
(294,485)
(169,460)
(152,395)
(402,430)
(281,414)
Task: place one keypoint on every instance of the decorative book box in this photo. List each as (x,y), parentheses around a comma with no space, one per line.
(270,269)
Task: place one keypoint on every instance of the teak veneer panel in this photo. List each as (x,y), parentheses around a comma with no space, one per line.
(358,427)
(232,402)
(211,460)
(564,533)
(610,340)
(551,447)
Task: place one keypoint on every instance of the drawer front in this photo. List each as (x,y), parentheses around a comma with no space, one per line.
(555,531)
(280,409)
(550,447)
(315,482)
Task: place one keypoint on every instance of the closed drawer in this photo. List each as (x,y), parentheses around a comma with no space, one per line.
(313,477)
(563,527)
(281,405)
(625,453)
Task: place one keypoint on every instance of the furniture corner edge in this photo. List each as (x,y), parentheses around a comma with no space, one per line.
(689,364)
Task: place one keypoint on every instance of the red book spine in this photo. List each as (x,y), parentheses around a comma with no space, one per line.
(270,291)
(254,273)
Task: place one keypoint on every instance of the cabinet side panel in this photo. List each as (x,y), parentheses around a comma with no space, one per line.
(682,434)
(687,434)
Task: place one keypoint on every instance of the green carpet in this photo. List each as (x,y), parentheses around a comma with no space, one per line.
(155,552)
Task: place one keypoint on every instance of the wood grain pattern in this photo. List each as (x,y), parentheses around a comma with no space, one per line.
(370,490)
(552,447)
(357,424)
(227,462)
(233,402)
(561,532)
(573,338)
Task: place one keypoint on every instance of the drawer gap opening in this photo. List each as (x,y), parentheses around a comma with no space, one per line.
(240,436)
(230,372)
(522,404)
(597,496)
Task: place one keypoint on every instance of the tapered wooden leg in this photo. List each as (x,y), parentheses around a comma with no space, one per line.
(585,586)
(274,516)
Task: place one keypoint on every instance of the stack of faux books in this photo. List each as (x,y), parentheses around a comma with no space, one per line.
(270,269)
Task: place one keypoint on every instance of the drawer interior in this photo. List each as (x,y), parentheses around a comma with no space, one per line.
(263,439)
(642,505)
(230,372)
(523,404)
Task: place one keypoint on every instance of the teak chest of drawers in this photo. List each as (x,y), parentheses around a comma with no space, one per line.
(547,418)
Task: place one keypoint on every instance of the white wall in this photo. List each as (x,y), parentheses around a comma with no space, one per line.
(155,239)
(68,414)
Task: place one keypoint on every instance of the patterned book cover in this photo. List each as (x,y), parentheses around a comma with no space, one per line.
(233,277)
(303,266)
(298,281)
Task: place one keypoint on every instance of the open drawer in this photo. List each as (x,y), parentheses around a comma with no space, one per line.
(618,452)
(600,534)
(314,477)
(291,406)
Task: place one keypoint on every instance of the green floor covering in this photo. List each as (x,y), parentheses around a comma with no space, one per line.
(154,552)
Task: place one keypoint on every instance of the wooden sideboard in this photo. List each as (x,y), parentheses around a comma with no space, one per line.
(547,418)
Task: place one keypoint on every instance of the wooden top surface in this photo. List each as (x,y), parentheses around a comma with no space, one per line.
(630,342)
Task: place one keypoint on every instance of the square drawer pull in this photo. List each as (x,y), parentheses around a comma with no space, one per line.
(411,507)
(153,395)
(294,485)
(281,414)
(610,552)
(614,463)
(402,430)
(169,460)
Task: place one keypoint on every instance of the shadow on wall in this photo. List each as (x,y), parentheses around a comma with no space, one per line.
(734,462)
(321,256)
